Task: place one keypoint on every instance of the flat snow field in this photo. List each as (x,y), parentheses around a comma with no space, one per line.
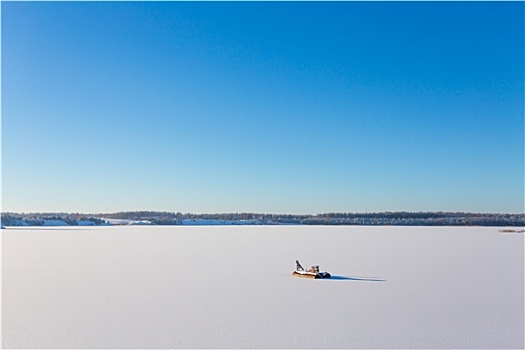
(231,287)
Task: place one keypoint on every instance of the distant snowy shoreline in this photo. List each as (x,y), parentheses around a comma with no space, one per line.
(343,219)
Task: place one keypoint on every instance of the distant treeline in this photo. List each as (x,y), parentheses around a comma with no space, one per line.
(382,218)
(40,219)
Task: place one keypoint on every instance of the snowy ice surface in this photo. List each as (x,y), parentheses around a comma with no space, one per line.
(231,287)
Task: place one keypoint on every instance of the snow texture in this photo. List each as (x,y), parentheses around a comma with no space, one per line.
(231,287)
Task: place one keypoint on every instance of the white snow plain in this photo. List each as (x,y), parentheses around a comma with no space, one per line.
(231,287)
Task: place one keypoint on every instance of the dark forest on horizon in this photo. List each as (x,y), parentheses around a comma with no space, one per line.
(178,218)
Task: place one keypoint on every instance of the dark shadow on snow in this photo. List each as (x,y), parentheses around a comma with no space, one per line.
(344,278)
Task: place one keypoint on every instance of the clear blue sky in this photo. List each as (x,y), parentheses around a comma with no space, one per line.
(272,107)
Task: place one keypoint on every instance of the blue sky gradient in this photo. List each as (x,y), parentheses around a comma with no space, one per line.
(277,107)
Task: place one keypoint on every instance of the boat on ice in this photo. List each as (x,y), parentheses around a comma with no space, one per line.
(312,272)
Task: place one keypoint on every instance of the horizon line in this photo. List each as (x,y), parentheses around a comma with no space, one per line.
(260,213)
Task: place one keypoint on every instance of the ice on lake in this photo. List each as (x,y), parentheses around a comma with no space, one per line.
(231,287)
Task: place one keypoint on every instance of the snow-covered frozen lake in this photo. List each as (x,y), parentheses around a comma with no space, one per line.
(231,287)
